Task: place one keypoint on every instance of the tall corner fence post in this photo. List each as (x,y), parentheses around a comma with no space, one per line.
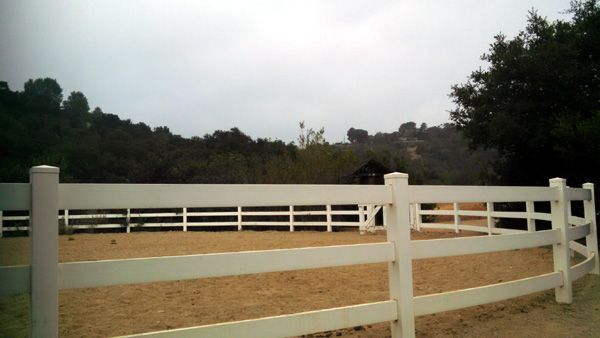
(560,251)
(591,240)
(400,270)
(43,252)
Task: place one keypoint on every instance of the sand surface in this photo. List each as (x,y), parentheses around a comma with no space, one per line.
(118,310)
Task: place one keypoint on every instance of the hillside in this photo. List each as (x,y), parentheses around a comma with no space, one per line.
(38,126)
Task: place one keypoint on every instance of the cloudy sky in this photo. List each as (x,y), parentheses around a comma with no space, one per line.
(262,66)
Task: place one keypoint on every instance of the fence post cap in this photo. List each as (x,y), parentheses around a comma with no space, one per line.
(395,175)
(45,169)
(558,180)
(588,185)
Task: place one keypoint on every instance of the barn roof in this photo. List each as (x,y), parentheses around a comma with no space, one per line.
(371,168)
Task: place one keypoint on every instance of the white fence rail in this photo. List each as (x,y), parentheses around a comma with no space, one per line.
(44,196)
(327,217)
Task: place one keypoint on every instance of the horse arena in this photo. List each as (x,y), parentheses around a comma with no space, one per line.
(446,271)
(128,309)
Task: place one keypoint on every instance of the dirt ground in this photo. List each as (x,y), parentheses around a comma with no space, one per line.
(119,310)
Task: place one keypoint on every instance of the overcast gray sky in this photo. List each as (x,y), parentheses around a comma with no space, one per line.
(262,66)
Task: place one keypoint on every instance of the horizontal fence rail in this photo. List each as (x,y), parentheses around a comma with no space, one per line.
(158,269)
(327,218)
(115,196)
(402,210)
(289,325)
(459,299)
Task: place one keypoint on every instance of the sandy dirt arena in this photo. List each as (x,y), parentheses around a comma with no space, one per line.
(127,309)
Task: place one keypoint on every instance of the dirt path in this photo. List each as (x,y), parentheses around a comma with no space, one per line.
(109,311)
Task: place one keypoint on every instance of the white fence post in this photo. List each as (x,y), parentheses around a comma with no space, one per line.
(591,240)
(490,219)
(385,220)
(66,218)
(418,216)
(184,219)
(239,218)
(43,252)
(328,209)
(456,207)
(128,220)
(291,218)
(1,224)
(530,209)
(361,219)
(411,216)
(400,270)
(562,257)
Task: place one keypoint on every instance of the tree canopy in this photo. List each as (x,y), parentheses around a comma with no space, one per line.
(38,127)
(538,100)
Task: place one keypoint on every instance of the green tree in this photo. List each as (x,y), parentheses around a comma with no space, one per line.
(538,100)
(44,92)
(76,103)
(357,135)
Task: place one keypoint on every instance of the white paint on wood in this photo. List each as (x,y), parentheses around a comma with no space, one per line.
(560,251)
(128,220)
(329,223)
(455,209)
(289,325)
(581,269)
(591,240)
(577,220)
(490,220)
(578,194)
(184,218)
(579,248)
(114,196)
(291,222)
(464,194)
(239,218)
(431,248)
(400,270)
(155,269)
(418,217)
(578,231)
(454,300)
(530,210)
(43,251)
(213,213)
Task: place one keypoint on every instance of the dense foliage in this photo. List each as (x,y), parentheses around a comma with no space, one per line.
(538,101)
(38,127)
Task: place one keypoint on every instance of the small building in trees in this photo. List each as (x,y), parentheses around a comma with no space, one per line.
(370,172)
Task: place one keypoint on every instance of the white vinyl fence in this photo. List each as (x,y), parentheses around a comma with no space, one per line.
(326,217)
(44,197)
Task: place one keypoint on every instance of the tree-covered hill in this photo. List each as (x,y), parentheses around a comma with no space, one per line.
(38,126)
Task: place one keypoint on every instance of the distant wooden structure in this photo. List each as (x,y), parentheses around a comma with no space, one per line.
(371,172)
